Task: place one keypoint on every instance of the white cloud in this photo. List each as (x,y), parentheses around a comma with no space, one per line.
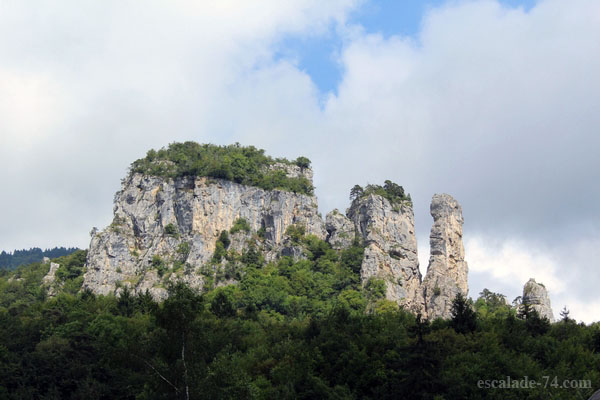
(496,106)
(515,262)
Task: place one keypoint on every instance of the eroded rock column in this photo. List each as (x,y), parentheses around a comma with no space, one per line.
(447,271)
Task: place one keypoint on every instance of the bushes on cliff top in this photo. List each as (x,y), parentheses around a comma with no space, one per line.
(246,165)
(390,190)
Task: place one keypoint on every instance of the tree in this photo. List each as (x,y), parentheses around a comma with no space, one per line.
(222,306)
(302,162)
(356,192)
(393,189)
(565,315)
(464,319)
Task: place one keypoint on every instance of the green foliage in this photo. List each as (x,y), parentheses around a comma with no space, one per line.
(71,266)
(356,192)
(240,225)
(262,232)
(290,329)
(391,191)
(183,250)
(224,239)
(492,304)
(375,288)
(159,264)
(221,246)
(464,319)
(302,162)
(240,164)
(296,233)
(14,259)
(171,230)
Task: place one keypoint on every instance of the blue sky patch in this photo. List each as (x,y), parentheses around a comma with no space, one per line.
(318,55)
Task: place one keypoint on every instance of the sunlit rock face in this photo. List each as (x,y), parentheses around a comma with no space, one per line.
(447,271)
(388,233)
(536,296)
(160,222)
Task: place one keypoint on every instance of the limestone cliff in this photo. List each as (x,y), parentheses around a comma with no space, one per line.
(171,214)
(388,234)
(536,296)
(166,229)
(447,271)
(340,230)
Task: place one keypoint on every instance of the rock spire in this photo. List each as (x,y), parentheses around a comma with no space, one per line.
(447,271)
(536,296)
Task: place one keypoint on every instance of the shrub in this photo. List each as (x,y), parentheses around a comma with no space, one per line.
(183,249)
(170,229)
(240,224)
(224,239)
(302,162)
(295,232)
(391,191)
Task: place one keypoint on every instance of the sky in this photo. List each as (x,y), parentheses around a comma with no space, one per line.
(494,102)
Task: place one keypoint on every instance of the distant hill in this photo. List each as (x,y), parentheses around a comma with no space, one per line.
(17,258)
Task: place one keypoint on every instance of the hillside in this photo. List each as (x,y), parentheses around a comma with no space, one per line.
(219,287)
(16,258)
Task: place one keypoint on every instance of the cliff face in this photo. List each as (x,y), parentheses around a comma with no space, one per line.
(536,295)
(388,233)
(447,271)
(167,230)
(160,222)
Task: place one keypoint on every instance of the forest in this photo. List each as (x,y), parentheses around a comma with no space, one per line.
(302,329)
(17,258)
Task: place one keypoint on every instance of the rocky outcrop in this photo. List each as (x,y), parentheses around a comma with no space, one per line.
(340,230)
(536,296)
(50,278)
(388,233)
(447,271)
(166,229)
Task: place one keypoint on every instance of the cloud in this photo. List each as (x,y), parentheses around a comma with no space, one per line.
(495,105)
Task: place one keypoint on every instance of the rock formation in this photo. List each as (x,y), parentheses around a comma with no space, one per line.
(50,278)
(340,230)
(167,230)
(388,233)
(162,223)
(447,271)
(536,296)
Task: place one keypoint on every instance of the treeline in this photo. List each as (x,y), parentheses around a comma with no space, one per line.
(12,260)
(246,165)
(303,329)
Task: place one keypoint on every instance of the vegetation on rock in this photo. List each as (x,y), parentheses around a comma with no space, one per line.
(246,165)
(391,191)
(287,330)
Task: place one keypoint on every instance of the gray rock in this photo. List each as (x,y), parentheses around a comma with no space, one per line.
(154,217)
(447,271)
(388,233)
(49,280)
(340,230)
(536,295)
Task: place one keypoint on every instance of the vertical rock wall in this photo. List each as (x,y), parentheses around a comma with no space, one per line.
(179,221)
(447,271)
(388,233)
